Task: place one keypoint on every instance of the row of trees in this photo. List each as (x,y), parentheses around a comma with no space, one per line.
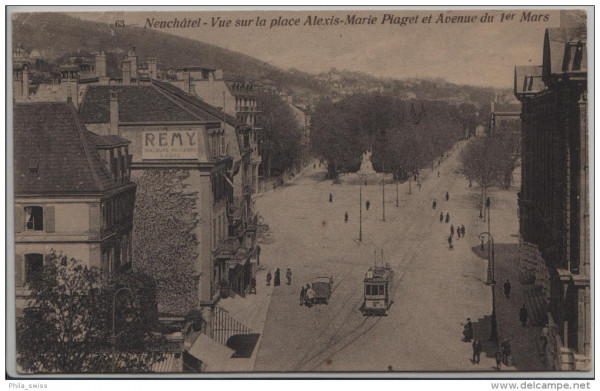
(490,161)
(403,135)
(281,145)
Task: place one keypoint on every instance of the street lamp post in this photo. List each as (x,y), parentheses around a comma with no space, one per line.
(114,324)
(492,282)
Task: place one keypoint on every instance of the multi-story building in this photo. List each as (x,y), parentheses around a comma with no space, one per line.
(73,192)
(554,196)
(170,129)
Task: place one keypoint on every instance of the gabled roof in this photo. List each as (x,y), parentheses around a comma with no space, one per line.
(137,103)
(528,79)
(106,141)
(195,104)
(50,137)
(560,47)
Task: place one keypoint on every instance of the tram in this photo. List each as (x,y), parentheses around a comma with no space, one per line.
(378,290)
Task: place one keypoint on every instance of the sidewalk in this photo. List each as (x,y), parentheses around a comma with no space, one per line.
(252,312)
(505,229)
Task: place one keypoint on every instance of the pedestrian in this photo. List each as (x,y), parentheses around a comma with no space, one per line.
(476,351)
(480,212)
(498,359)
(507,288)
(468,331)
(462,228)
(441,217)
(252,285)
(438,174)
(288,276)
(346,217)
(450,246)
(447,217)
(269,278)
(314,166)
(447,196)
(415,177)
(434,203)
(257,255)
(523,315)
(330,197)
(506,351)
(451,229)
(368,204)
(544,338)
(302,294)
(277,280)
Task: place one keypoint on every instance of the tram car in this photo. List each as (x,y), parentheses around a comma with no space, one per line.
(378,290)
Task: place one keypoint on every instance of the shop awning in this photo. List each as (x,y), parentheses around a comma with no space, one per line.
(211,353)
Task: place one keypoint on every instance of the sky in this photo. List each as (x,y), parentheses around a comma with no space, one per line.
(475,52)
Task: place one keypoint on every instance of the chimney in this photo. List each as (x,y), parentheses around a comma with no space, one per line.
(100,64)
(114,112)
(186,81)
(152,68)
(126,72)
(132,57)
(219,74)
(25,82)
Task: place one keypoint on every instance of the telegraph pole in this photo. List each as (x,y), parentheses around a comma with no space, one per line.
(383,190)
(360,213)
(396,189)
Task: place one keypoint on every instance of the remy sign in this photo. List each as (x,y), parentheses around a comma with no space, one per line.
(170,144)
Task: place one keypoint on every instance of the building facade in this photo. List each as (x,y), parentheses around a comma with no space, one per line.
(554,196)
(73,193)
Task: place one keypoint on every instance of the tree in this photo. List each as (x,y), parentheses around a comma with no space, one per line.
(66,327)
(280,137)
(164,239)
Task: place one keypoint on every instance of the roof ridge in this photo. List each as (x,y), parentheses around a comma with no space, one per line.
(84,141)
(160,91)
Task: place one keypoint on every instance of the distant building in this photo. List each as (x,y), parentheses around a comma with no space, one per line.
(554,197)
(73,192)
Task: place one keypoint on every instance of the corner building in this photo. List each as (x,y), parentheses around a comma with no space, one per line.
(554,196)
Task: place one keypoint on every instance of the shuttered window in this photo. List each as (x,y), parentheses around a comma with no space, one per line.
(34,218)
(34,264)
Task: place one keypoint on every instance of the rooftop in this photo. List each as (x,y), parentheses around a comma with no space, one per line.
(54,153)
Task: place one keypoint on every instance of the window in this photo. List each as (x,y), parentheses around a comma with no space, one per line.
(34,218)
(34,264)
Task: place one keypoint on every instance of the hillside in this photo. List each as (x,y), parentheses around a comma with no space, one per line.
(57,34)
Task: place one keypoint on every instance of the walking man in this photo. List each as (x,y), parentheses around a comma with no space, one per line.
(447,196)
(257,255)
(434,203)
(330,197)
(451,229)
(507,289)
(462,228)
(269,278)
(447,217)
(346,217)
(302,294)
(368,204)
(476,351)
(277,280)
(523,315)
(450,246)
(441,217)
(252,286)
(288,276)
